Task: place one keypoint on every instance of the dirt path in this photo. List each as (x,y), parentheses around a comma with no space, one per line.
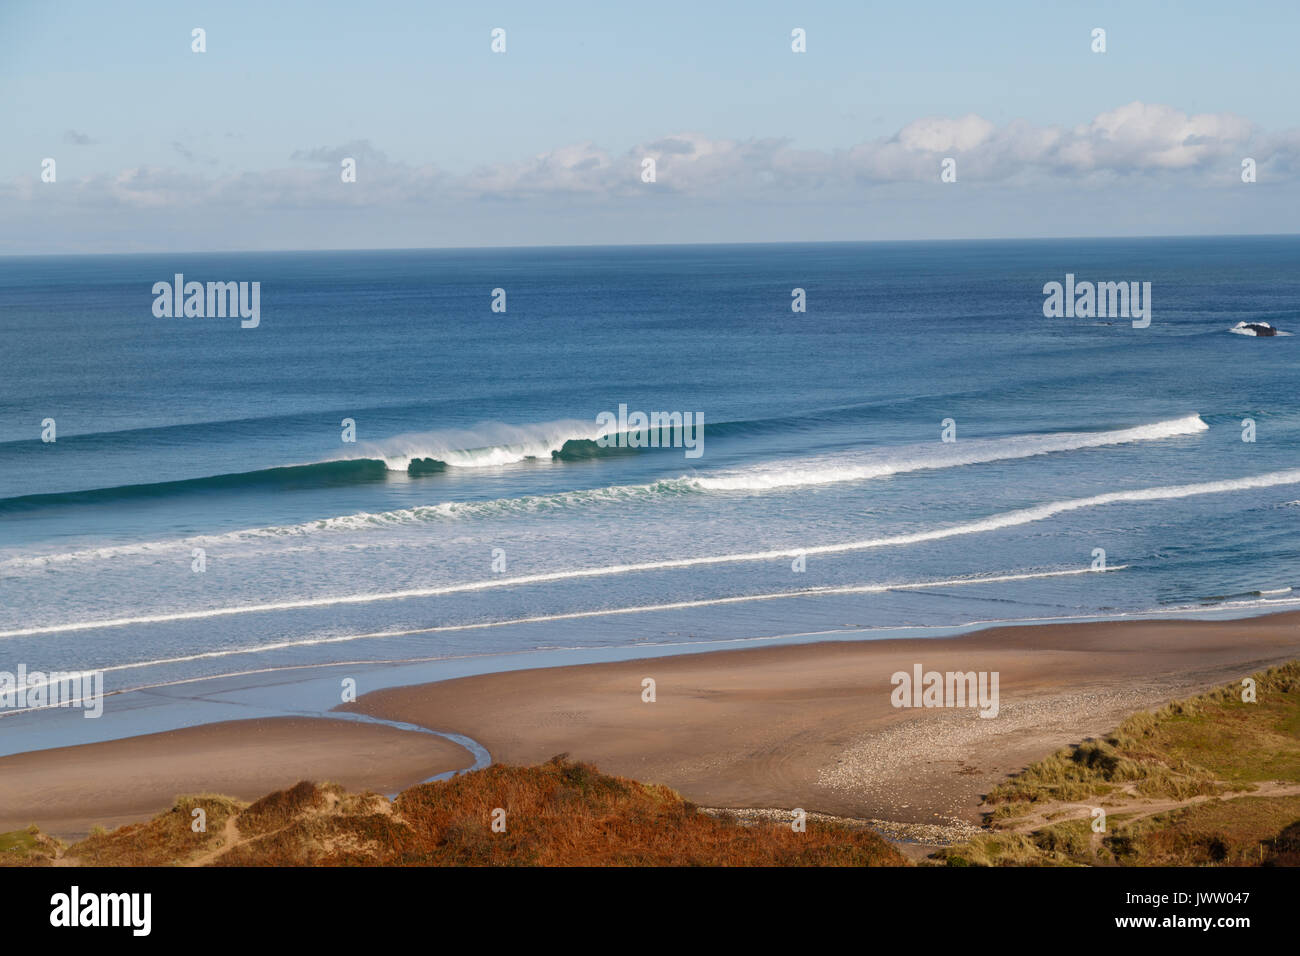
(1140,807)
(230,837)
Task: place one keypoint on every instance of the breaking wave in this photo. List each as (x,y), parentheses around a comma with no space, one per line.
(933,456)
(876,464)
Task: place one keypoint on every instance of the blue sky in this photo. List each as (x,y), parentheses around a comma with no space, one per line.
(161,148)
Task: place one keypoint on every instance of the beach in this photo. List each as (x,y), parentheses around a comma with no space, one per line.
(808,725)
(68,790)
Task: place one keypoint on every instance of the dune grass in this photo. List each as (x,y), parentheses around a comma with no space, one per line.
(28,847)
(167,839)
(561,813)
(1211,746)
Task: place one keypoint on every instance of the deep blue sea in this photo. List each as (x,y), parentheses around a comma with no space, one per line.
(476,513)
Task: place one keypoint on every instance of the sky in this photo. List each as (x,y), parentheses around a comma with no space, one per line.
(160,148)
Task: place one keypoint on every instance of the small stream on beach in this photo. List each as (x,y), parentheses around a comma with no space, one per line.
(480,754)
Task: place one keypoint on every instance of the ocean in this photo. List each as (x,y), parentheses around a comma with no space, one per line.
(200,514)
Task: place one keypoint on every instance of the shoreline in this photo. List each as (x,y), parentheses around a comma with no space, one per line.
(804,724)
(311,689)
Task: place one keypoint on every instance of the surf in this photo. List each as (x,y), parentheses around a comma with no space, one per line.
(499,445)
(413,454)
(934,456)
(880,463)
(995,522)
(813,592)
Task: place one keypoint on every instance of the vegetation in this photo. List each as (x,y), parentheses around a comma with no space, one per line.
(1209,781)
(1213,780)
(559,814)
(166,839)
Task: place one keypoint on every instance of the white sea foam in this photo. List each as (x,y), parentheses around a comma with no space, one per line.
(878,464)
(484,446)
(363,521)
(1006,519)
(1189,609)
(610,612)
(937,455)
(1244,328)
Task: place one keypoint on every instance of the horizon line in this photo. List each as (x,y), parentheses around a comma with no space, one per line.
(649,245)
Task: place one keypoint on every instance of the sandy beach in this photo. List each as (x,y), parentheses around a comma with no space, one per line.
(812,726)
(798,725)
(68,790)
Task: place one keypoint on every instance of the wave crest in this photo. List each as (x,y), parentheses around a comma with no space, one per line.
(484,446)
(757,479)
(922,458)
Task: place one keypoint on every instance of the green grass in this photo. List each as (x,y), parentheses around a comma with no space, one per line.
(1234,741)
(1240,832)
(1212,745)
(28,847)
(19,841)
(1202,746)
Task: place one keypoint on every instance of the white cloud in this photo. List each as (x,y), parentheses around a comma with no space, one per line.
(1135,143)
(1152,137)
(938,134)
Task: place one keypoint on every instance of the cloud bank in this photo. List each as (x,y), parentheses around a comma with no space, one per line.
(1139,169)
(1132,142)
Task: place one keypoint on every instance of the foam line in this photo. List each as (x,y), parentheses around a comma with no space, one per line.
(996,522)
(638,609)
